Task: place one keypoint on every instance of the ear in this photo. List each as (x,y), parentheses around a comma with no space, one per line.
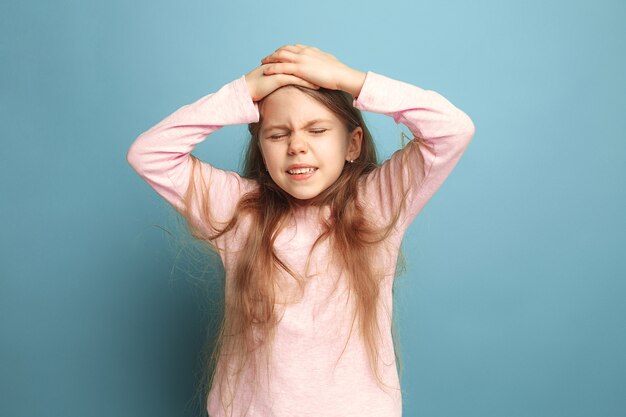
(354,144)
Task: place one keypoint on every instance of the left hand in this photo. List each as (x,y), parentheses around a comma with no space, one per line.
(315,66)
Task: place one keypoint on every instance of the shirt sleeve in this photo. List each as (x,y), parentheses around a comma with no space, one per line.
(441,133)
(162,154)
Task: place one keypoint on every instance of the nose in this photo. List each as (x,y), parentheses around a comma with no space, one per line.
(297,144)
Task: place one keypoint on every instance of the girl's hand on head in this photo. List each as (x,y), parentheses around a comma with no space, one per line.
(261,85)
(315,66)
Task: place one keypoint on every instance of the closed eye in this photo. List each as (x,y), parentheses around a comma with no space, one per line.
(276,136)
(316,131)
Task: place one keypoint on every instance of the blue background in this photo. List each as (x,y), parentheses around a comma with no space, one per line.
(513,299)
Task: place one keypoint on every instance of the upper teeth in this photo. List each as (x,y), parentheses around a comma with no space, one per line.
(301,170)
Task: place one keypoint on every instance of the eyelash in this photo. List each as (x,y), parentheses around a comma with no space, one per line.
(317,132)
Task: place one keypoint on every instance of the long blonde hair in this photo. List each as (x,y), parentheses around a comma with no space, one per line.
(249,307)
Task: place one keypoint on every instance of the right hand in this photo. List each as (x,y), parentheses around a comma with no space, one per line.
(261,85)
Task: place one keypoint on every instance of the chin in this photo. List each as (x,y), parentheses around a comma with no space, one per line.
(303,198)
(301,195)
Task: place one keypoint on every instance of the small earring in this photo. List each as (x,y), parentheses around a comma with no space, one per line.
(352,161)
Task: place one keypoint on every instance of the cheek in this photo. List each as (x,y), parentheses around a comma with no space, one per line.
(270,156)
(338,148)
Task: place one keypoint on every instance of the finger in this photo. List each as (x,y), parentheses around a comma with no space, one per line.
(292,79)
(307,48)
(292,47)
(295,49)
(282,55)
(288,48)
(280,68)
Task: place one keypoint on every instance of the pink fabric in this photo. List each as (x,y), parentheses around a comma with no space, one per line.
(315,368)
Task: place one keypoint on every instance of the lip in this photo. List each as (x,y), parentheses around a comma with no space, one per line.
(301,177)
(296,166)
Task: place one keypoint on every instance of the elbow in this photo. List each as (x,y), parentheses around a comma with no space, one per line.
(471,129)
(467,126)
(133,156)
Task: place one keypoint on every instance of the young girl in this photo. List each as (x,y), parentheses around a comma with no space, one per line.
(309,235)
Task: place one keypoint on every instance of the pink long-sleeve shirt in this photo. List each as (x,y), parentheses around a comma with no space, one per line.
(315,369)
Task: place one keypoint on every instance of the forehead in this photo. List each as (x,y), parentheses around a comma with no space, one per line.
(288,105)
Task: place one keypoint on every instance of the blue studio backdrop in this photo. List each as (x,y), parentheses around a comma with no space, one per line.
(512,303)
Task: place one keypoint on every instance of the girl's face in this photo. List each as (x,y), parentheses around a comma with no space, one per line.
(304,145)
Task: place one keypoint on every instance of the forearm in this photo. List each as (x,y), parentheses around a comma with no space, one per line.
(418,169)
(353,82)
(162,154)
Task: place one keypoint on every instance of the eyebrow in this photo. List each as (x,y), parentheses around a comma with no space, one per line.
(309,123)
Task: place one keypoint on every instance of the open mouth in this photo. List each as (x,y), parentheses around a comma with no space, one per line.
(299,171)
(301,174)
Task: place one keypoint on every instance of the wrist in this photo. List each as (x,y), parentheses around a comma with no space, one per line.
(250,88)
(353,82)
